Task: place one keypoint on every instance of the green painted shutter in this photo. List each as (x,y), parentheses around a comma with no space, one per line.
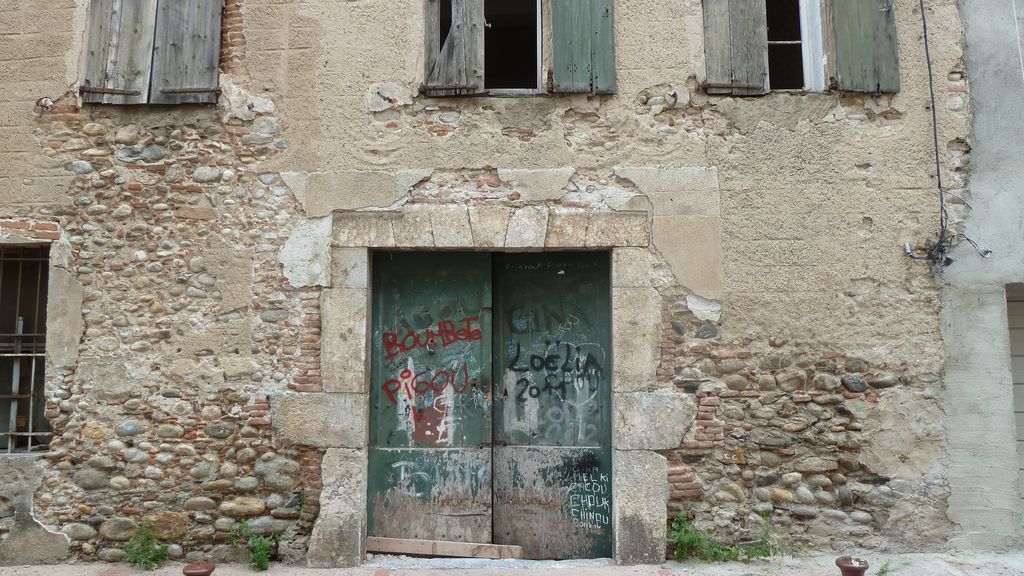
(186,52)
(736,46)
(866,50)
(119,52)
(602,47)
(583,46)
(454,64)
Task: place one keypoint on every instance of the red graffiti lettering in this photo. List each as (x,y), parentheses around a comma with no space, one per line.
(448,332)
(415,386)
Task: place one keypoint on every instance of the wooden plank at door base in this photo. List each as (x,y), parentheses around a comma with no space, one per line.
(442,548)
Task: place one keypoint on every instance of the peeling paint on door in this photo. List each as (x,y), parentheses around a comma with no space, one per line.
(432,466)
(552,456)
(430,408)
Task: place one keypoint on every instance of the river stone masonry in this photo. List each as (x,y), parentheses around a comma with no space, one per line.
(187,332)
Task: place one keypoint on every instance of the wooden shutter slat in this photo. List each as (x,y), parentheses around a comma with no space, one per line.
(474,40)
(119,53)
(736,47)
(431,38)
(867,57)
(570,20)
(186,52)
(455,64)
(602,47)
(748,33)
(717,46)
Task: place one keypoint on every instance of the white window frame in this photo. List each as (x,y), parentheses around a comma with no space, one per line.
(811,47)
(539,90)
(812,44)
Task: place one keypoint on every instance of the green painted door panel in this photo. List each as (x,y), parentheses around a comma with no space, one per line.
(430,494)
(554,501)
(552,405)
(430,397)
(553,349)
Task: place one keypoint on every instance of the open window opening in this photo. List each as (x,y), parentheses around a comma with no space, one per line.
(511,47)
(1015,315)
(24,275)
(785,45)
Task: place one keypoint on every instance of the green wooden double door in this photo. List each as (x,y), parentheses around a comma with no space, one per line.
(490,405)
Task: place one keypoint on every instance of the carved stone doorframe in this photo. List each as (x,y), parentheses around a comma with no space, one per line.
(341,411)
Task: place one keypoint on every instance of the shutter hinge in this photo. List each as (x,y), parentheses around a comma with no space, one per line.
(100,90)
(731,85)
(190,91)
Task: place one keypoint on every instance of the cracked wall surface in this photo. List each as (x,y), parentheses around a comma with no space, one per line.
(762,265)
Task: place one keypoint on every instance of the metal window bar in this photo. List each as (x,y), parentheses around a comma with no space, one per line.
(23,270)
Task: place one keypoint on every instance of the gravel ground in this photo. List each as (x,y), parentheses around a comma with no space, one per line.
(896,565)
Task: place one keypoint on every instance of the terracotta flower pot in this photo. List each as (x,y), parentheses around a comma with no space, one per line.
(852,566)
(198,569)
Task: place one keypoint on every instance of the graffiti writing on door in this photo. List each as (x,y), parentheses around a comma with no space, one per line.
(433,369)
(554,392)
(589,500)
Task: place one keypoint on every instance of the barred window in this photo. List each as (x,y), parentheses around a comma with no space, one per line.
(24,272)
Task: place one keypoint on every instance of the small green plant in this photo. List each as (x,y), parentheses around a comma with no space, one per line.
(258,547)
(889,567)
(259,552)
(142,549)
(693,543)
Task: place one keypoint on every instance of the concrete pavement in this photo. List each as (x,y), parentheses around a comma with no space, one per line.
(967,564)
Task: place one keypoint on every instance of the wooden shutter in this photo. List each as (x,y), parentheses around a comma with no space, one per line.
(583,46)
(736,47)
(186,52)
(119,52)
(455,64)
(865,44)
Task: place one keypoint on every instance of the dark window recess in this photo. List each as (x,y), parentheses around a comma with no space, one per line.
(446,21)
(510,44)
(24,273)
(785,53)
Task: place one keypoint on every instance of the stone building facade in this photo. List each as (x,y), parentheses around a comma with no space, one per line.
(208,342)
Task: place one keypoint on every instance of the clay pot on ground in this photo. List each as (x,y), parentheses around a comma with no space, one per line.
(852,566)
(198,569)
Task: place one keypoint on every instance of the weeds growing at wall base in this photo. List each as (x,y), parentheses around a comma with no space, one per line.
(258,547)
(142,549)
(693,543)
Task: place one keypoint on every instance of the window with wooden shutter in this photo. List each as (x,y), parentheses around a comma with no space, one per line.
(736,47)
(583,46)
(865,45)
(152,51)
(454,50)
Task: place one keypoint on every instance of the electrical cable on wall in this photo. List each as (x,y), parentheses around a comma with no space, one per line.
(939,253)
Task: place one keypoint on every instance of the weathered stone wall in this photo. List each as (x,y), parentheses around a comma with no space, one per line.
(189,329)
(200,239)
